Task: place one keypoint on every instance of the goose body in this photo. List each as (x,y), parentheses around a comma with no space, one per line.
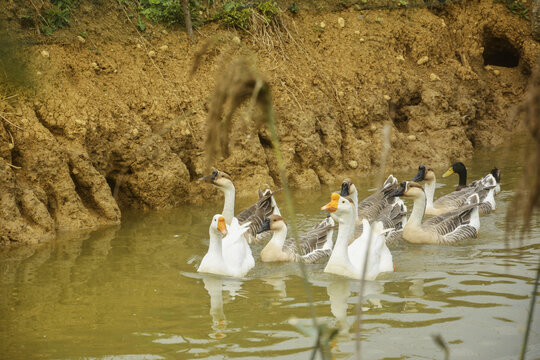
(228,255)
(447,228)
(314,245)
(254,215)
(485,188)
(348,260)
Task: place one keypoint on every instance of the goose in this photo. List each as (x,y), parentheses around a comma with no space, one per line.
(485,188)
(391,211)
(348,260)
(460,169)
(447,228)
(314,245)
(255,214)
(228,253)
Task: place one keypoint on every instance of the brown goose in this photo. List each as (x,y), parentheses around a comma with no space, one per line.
(255,214)
(314,245)
(447,228)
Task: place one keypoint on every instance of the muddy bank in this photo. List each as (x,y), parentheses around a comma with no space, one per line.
(115,120)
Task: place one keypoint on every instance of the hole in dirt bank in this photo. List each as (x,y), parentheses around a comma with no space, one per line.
(265,142)
(399,114)
(499,51)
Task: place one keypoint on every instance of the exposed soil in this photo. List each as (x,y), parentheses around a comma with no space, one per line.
(117,121)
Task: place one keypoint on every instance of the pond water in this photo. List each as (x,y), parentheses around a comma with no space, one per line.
(132,292)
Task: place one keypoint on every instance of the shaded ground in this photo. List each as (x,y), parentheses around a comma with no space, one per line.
(116,121)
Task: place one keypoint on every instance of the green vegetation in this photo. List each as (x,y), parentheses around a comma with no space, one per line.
(56,16)
(516,7)
(238,15)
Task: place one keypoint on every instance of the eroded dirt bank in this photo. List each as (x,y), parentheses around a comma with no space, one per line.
(117,121)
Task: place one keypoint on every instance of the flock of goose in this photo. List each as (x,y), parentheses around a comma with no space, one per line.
(364,228)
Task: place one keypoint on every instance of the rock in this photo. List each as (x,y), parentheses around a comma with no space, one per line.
(164,48)
(340,93)
(353,164)
(373,128)
(411,138)
(341,22)
(152,53)
(386,97)
(45,53)
(434,77)
(322,24)
(496,72)
(236,40)
(422,60)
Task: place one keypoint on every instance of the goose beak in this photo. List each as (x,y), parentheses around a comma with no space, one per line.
(400,191)
(265,226)
(448,172)
(420,175)
(210,178)
(333,204)
(222,227)
(345,189)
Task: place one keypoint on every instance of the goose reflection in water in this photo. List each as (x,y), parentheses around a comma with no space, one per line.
(215,285)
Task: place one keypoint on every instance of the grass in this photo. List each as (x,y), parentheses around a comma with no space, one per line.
(516,7)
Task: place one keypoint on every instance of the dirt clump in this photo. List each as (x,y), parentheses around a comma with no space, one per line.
(117,121)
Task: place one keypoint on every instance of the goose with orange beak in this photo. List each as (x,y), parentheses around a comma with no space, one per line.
(348,260)
(213,262)
(255,214)
(448,228)
(228,253)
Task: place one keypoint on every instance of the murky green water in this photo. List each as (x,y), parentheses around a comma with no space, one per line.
(133,292)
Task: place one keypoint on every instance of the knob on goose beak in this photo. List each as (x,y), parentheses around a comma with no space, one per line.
(333,204)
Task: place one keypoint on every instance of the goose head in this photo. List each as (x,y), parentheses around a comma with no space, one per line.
(347,187)
(458,168)
(339,205)
(408,189)
(273,223)
(218,226)
(496,174)
(219,179)
(425,173)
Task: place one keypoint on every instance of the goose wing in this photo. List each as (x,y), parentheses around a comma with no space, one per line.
(316,237)
(372,206)
(454,225)
(453,200)
(257,212)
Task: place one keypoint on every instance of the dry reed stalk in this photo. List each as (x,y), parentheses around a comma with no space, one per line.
(527,197)
(239,82)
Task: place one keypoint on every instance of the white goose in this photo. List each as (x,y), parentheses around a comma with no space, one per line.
(255,214)
(229,255)
(391,211)
(447,228)
(348,260)
(485,188)
(314,245)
